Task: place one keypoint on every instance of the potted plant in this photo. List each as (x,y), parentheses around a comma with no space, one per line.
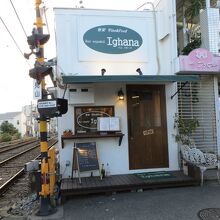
(185,128)
(67,133)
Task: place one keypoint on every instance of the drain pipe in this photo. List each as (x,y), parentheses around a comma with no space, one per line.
(156,35)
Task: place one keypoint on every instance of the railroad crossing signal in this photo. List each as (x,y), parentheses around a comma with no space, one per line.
(39,72)
(37,39)
(36,43)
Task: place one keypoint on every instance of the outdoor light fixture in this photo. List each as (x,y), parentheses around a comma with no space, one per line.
(139,71)
(120,94)
(103,71)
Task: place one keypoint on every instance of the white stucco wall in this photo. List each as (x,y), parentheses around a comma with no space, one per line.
(107,148)
(75,58)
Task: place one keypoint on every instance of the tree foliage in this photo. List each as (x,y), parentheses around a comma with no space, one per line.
(4,137)
(191,14)
(193,9)
(195,43)
(8,128)
(8,132)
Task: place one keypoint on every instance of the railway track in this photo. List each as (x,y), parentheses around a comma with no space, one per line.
(12,166)
(9,147)
(14,142)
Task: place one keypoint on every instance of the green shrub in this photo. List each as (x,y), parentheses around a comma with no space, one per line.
(16,136)
(5,137)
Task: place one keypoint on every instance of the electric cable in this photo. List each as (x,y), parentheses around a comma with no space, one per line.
(18,18)
(64,91)
(14,40)
(46,19)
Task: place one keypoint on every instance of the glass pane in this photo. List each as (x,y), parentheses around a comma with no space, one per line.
(157,110)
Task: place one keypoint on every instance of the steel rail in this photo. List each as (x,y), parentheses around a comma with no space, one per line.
(6,185)
(12,147)
(17,155)
(2,145)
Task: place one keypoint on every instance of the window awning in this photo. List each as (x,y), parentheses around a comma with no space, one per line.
(128,79)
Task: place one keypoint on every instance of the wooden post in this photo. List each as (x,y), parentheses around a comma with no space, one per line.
(75,163)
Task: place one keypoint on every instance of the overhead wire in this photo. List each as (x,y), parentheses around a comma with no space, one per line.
(18,18)
(45,16)
(14,40)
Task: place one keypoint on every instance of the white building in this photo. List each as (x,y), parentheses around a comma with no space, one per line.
(25,121)
(14,118)
(102,52)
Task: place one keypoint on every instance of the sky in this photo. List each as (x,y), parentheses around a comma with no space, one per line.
(16,87)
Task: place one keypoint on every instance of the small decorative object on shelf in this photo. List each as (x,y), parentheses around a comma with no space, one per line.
(102,172)
(107,172)
(67,133)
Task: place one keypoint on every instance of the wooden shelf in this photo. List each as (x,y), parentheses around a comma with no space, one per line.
(96,135)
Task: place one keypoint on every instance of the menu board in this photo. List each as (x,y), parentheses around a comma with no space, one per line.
(108,124)
(86,117)
(87,156)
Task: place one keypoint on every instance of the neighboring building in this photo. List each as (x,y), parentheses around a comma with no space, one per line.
(104,52)
(30,123)
(25,121)
(52,126)
(14,118)
(200,100)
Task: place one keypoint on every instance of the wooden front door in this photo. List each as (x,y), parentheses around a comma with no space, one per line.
(147,128)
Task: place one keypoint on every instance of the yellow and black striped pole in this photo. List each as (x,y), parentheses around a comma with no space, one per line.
(45,205)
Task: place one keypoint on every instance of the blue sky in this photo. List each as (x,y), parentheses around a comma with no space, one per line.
(15,83)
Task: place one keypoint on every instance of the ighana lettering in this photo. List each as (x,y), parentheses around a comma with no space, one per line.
(115,42)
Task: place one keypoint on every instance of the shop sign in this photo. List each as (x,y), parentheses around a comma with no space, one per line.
(112,39)
(86,117)
(200,60)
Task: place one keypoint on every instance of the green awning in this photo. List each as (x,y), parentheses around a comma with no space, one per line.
(128,79)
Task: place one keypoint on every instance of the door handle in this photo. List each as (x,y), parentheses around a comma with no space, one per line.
(148,132)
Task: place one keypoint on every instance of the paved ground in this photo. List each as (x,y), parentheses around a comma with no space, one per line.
(160,204)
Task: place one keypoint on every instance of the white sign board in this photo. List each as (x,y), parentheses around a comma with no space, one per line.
(47,104)
(37,90)
(100,39)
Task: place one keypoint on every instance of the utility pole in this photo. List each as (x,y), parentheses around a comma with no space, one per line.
(45,204)
(47,108)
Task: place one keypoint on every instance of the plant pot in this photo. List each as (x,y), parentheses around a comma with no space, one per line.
(67,134)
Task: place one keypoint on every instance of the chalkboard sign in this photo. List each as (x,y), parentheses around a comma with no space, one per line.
(87,156)
(86,117)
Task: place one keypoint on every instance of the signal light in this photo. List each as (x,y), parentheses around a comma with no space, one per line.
(39,72)
(36,39)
